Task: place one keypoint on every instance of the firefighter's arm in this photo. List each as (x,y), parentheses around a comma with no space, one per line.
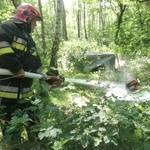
(8,58)
(52,79)
(9,61)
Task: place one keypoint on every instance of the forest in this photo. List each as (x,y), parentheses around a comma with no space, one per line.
(99,114)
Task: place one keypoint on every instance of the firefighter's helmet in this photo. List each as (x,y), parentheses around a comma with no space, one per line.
(27,13)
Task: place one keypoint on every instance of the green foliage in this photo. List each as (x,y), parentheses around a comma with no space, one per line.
(78,60)
(141,70)
(78,117)
(86,119)
(104,124)
(72,55)
(6,12)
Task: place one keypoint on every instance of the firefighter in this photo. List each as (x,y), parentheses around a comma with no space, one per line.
(18,53)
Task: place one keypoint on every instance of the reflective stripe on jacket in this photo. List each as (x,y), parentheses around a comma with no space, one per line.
(12,92)
(17,51)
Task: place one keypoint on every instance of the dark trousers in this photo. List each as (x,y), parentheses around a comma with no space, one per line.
(7,108)
(7,111)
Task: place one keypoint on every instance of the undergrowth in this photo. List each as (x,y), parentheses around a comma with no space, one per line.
(77,117)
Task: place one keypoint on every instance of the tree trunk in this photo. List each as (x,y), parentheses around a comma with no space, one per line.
(78,23)
(64,22)
(55,47)
(119,16)
(15,3)
(54,6)
(85,33)
(78,18)
(42,29)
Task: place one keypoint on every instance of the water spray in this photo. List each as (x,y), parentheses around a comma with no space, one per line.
(122,91)
(131,83)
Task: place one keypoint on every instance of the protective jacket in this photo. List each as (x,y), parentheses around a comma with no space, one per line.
(17,51)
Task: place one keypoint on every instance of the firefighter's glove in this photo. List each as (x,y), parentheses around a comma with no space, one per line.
(19,74)
(55,80)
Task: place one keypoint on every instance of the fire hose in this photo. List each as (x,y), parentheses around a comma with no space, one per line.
(31,75)
(39,76)
(132,85)
(27,74)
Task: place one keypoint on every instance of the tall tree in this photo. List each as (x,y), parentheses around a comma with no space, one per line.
(122,9)
(64,22)
(42,29)
(79,18)
(55,46)
(15,3)
(85,32)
